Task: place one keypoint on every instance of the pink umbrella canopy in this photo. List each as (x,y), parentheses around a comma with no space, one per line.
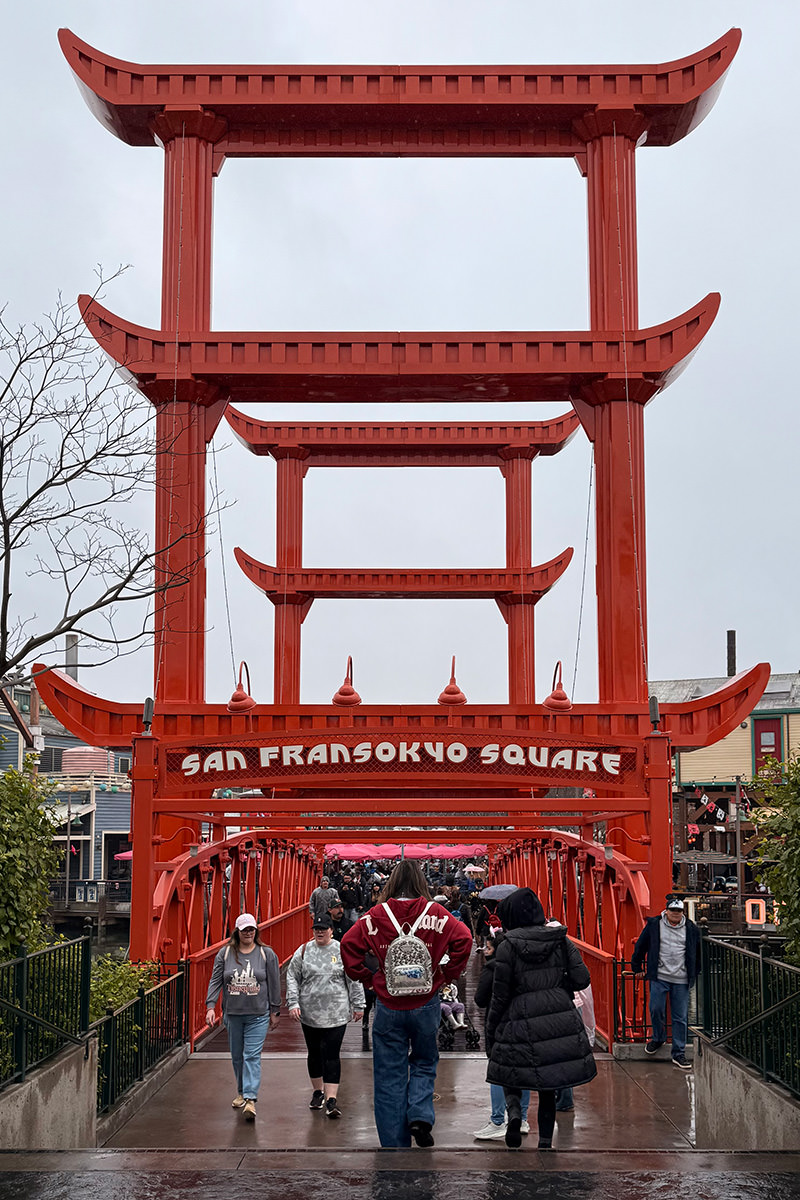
(357,852)
(124,854)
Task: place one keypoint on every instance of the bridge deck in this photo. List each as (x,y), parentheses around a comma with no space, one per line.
(629,1138)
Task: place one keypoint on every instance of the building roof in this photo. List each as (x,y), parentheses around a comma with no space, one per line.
(781,693)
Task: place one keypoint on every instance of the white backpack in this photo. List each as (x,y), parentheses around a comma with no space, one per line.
(407,966)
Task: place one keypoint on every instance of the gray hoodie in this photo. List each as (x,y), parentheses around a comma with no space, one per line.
(672,951)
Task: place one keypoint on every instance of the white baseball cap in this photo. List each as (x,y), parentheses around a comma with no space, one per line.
(246,921)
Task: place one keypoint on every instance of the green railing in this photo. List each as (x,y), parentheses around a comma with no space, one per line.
(133,1039)
(44,1005)
(750,1006)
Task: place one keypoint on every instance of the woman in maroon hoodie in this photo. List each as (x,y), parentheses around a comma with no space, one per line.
(404,1046)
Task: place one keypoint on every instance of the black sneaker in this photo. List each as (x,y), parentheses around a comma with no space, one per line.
(678,1060)
(653,1047)
(317,1100)
(332,1109)
(421,1133)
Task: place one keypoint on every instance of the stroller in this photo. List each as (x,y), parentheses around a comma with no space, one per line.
(447,1034)
(451,1025)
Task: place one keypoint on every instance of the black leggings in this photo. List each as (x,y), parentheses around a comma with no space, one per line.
(546,1116)
(323,1052)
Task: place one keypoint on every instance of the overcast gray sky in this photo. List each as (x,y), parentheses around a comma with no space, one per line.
(405,244)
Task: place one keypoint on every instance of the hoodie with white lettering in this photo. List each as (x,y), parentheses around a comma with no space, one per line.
(369,938)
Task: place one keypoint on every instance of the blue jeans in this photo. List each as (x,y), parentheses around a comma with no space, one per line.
(679,1008)
(246,1038)
(404,1059)
(499,1104)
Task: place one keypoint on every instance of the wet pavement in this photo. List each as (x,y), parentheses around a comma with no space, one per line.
(419,1184)
(629,1138)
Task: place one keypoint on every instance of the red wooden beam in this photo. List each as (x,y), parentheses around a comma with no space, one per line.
(531,583)
(403,443)
(399,110)
(694,723)
(337,368)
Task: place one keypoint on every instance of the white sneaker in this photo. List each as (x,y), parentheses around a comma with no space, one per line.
(524,1127)
(490,1130)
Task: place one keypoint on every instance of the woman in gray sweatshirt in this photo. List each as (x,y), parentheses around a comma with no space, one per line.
(321,997)
(247,974)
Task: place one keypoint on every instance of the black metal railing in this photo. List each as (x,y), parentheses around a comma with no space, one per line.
(750,1006)
(135,1037)
(82,893)
(44,1005)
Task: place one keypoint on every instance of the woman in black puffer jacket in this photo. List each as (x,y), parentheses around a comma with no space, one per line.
(534,1034)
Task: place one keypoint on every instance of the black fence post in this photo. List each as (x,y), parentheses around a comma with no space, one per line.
(705,978)
(182,1000)
(20,1024)
(141,1021)
(86,981)
(110,1058)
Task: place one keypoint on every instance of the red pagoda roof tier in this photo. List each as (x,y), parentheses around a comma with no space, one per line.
(530,583)
(400,110)
(695,723)
(385,367)
(401,443)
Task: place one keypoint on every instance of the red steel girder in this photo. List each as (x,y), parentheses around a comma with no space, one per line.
(383,367)
(529,583)
(403,443)
(399,110)
(101,722)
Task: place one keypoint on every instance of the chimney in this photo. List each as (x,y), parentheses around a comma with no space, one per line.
(731,652)
(72,655)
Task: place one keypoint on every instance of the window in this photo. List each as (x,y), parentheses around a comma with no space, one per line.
(123,764)
(50,758)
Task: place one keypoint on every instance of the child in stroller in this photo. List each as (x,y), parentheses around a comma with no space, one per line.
(454,1016)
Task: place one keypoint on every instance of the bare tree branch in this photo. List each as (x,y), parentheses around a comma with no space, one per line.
(77,450)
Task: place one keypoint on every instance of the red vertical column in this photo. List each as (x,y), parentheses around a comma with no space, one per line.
(518,610)
(290,608)
(611,140)
(143,875)
(182,424)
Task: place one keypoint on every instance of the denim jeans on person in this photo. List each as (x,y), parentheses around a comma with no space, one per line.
(405,1055)
(246,1036)
(499,1104)
(679,1008)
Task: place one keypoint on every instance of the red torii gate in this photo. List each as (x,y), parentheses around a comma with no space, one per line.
(598,115)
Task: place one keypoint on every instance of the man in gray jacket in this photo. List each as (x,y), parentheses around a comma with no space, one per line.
(322,898)
(669,945)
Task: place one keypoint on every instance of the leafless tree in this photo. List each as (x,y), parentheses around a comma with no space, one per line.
(77,451)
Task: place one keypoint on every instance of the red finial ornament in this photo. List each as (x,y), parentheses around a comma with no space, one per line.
(452,694)
(558,700)
(347,696)
(241,700)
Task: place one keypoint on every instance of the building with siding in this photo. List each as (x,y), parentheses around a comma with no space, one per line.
(704,787)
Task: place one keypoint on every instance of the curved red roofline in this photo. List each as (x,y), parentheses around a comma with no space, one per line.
(429,442)
(333,367)
(690,725)
(407,583)
(673,96)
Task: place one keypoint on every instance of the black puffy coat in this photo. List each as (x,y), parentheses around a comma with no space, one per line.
(535,1037)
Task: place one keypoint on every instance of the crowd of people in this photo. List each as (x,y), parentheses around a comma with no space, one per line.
(396,946)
